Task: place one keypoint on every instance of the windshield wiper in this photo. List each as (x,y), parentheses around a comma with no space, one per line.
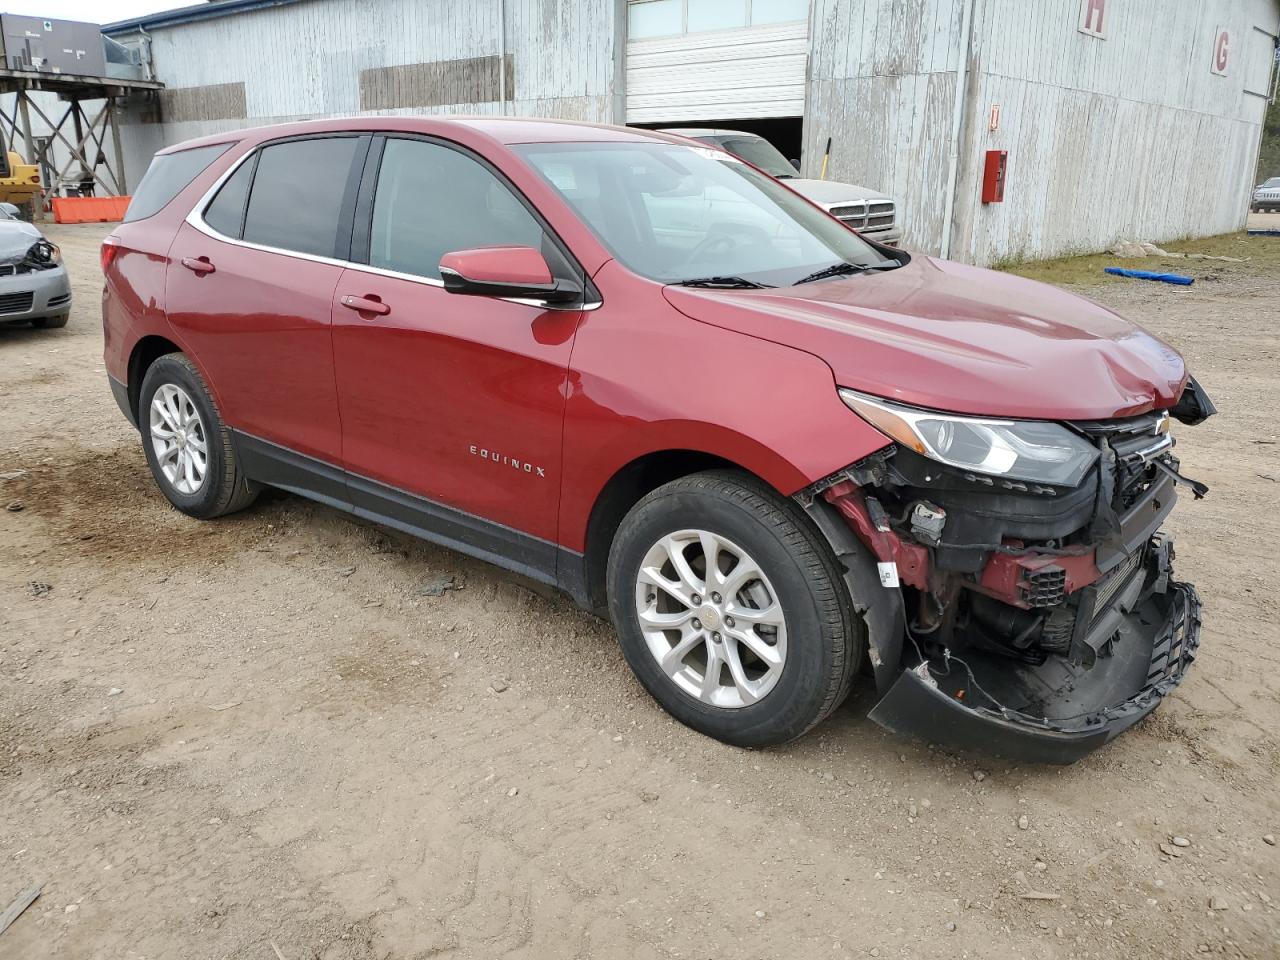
(843,269)
(729,283)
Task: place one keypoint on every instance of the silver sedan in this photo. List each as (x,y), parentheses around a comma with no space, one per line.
(34,287)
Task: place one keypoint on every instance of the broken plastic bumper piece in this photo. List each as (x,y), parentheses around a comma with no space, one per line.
(1060,710)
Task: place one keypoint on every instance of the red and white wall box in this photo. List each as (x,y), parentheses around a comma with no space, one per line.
(993,170)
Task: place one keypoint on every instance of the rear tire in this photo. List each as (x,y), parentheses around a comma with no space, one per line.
(51,323)
(188,447)
(801,641)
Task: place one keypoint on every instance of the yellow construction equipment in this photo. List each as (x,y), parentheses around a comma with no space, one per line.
(19,180)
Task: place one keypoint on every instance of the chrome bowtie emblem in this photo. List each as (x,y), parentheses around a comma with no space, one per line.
(710,617)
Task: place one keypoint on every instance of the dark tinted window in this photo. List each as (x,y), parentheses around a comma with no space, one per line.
(297,194)
(166,177)
(226,213)
(431,200)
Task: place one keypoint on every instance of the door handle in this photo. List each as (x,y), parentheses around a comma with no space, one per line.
(198,265)
(369,304)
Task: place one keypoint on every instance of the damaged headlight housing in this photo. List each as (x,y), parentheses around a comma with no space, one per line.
(1032,450)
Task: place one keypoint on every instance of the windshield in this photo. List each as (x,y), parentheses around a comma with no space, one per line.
(1273,182)
(760,152)
(677,213)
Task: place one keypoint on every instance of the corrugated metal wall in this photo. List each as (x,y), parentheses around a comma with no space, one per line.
(882,87)
(1128,137)
(307,60)
(1131,137)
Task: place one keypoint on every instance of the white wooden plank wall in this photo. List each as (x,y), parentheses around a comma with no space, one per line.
(1128,137)
(1131,137)
(303,60)
(882,86)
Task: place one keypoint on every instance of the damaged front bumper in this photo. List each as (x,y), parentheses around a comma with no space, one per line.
(1036,626)
(941,701)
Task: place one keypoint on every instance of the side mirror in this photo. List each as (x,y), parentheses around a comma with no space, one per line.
(796,164)
(515,272)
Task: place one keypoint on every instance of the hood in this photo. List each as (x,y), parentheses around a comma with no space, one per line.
(16,238)
(826,192)
(950,337)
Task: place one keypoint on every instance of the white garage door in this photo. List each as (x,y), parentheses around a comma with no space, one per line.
(715,59)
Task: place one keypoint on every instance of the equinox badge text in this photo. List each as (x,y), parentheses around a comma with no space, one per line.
(494,457)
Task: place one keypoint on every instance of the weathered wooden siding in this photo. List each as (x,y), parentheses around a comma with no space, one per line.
(472,80)
(218,101)
(1128,137)
(1131,137)
(882,87)
(307,60)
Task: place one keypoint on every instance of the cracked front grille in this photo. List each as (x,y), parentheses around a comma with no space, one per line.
(1133,442)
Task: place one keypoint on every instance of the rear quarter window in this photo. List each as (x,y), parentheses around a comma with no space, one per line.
(226,212)
(168,174)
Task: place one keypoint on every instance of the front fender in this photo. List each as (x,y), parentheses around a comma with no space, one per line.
(646,378)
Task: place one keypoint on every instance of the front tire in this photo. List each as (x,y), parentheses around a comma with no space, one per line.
(188,447)
(731,609)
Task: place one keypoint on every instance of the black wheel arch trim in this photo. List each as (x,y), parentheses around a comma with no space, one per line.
(881,609)
(121,393)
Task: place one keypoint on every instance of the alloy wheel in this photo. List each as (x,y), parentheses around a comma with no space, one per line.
(178,438)
(711,618)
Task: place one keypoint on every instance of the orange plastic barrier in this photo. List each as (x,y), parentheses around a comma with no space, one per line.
(89,209)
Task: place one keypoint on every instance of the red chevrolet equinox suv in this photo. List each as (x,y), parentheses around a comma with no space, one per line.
(641,370)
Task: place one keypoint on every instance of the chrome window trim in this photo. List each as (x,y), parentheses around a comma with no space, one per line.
(195,217)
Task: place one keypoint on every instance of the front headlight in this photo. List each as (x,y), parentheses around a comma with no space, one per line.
(1033,450)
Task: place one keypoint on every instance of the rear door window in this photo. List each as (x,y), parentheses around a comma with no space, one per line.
(298,195)
(168,174)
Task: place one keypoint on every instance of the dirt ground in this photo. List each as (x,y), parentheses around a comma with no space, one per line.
(264,737)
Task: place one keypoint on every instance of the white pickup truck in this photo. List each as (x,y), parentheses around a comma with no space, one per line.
(870,212)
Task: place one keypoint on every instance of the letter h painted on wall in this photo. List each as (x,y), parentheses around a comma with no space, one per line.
(1093,16)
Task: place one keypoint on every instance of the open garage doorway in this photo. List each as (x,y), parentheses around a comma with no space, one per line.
(722,64)
(785,133)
